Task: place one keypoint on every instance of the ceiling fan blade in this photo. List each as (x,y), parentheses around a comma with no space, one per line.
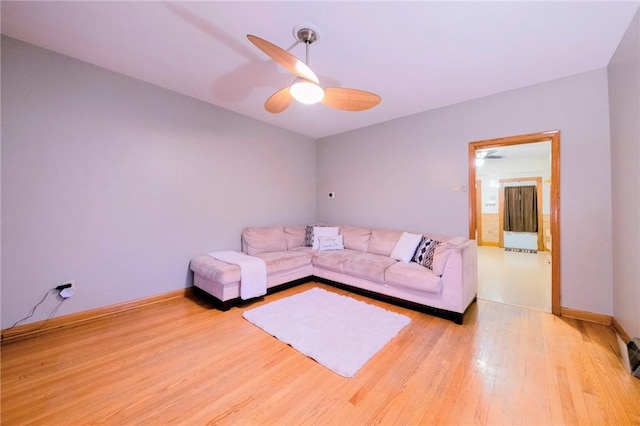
(350,99)
(279,101)
(284,58)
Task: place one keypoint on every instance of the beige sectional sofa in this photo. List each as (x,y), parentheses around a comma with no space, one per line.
(363,260)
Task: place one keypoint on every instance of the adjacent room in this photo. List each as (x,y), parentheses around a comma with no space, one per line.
(527,253)
(139,136)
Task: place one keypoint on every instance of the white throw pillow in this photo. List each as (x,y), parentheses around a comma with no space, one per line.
(406,247)
(330,242)
(323,231)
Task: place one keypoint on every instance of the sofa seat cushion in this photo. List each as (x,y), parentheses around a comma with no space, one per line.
(226,273)
(414,276)
(333,260)
(368,266)
(215,270)
(307,250)
(279,261)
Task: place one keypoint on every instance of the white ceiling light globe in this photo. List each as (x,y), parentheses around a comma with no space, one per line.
(306,92)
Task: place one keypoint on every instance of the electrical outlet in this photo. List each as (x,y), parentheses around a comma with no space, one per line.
(66,284)
(67,289)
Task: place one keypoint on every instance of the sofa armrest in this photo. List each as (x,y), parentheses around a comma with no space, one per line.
(460,277)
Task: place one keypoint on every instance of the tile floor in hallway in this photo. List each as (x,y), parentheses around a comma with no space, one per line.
(520,279)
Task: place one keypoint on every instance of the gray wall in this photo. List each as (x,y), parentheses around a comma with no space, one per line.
(624,104)
(116,183)
(401,173)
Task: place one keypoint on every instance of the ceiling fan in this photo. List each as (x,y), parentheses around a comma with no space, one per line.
(486,154)
(489,154)
(306,87)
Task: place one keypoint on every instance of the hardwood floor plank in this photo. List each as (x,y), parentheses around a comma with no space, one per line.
(531,346)
(553,383)
(184,362)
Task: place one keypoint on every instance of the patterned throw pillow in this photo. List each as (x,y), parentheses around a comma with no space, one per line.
(425,251)
(308,236)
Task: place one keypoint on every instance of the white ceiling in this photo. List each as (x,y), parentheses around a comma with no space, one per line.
(531,153)
(416,55)
(527,151)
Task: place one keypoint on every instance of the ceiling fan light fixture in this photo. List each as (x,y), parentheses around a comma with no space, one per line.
(306,87)
(306,92)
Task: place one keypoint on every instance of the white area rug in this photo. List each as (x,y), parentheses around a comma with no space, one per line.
(339,332)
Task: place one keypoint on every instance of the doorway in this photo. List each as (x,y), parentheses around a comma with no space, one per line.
(550,231)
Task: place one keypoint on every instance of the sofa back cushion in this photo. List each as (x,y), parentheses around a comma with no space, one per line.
(443,251)
(294,236)
(258,240)
(355,238)
(383,241)
(440,257)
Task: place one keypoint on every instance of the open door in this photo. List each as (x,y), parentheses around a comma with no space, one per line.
(554,214)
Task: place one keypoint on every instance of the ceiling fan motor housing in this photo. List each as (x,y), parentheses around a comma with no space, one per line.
(306,34)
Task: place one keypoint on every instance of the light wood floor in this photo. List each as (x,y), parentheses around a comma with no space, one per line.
(520,279)
(182,362)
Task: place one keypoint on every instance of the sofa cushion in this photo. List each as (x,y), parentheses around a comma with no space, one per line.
(425,252)
(333,260)
(369,266)
(294,236)
(406,246)
(264,239)
(355,238)
(215,270)
(455,241)
(304,250)
(440,257)
(413,276)
(284,260)
(383,241)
